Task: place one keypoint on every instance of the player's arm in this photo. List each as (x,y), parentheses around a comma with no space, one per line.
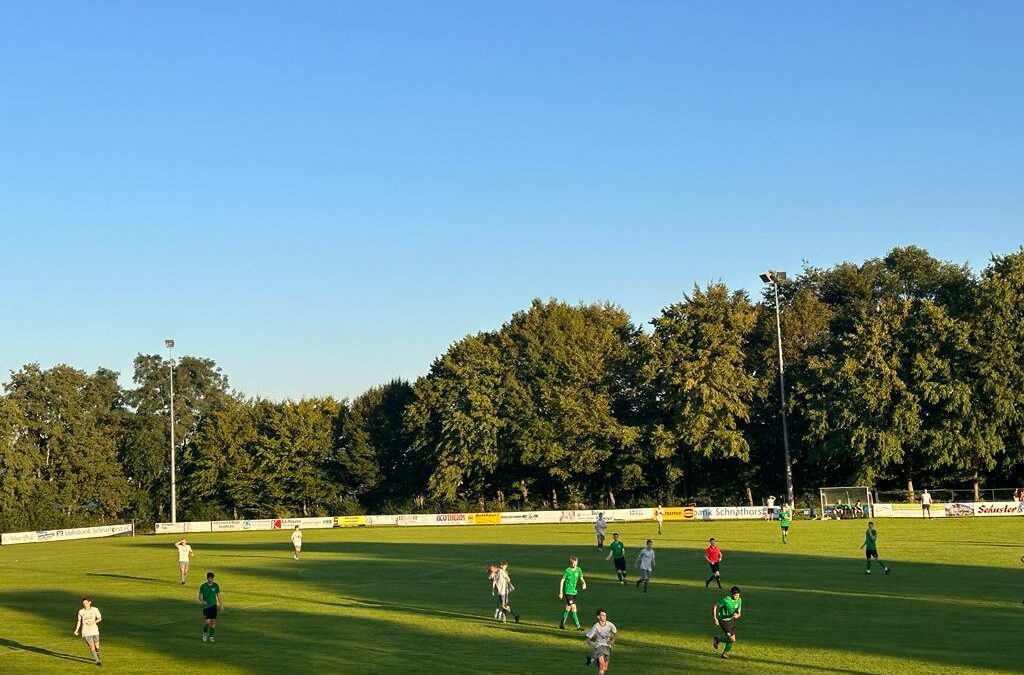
(99,617)
(199,597)
(583,583)
(611,640)
(178,543)
(609,556)
(561,585)
(78,623)
(653,556)
(714,613)
(220,601)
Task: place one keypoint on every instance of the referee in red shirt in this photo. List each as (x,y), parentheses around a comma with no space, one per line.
(713,555)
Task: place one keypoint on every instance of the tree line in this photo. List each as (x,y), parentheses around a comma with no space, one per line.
(901,371)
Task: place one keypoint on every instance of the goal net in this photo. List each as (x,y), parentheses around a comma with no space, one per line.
(840,503)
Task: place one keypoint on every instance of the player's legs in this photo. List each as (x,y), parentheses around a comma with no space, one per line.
(602,664)
(785,534)
(182,571)
(93,643)
(298,550)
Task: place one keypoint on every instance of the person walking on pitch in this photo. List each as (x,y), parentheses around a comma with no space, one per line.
(870,547)
(726,612)
(600,639)
(297,542)
(713,555)
(572,576)
(785,518)
(88,625)
(659,515)
(926,504)
(209,598)
(645,561)
(617,553)
(600,527)
(502,586)
(184,553)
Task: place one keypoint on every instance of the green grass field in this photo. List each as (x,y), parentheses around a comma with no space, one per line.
(416,600)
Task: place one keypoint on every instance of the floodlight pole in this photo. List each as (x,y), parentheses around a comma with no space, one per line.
(773,277)
(174,488)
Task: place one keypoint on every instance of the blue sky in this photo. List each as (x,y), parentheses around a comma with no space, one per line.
(322,196)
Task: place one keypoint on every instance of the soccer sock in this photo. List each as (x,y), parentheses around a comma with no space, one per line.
(211,630)
(575,619)
(206,629)
(728,645)
(565,615)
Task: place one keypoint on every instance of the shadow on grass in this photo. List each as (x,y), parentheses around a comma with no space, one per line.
(42,651)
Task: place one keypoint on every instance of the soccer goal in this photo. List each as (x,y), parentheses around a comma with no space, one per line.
(841,503)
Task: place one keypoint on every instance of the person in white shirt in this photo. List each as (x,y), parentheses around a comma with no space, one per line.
(600,526)
(89,618)
(659,515)
(501,584)
(645,561)
(769,507)
(926,504)
(184,553)
(600,639)
(297,541)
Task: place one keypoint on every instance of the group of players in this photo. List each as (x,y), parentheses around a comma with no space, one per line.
(209,596)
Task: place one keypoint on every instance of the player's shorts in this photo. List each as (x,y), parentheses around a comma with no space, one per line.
(646,574)
(728,627)
(620,564)
(714,567)
(926,507)
(182,564)
(502,598)
(602,650)
(868,553)
(570,599)
(210,612)
(91,639)
(298,547)
(785,528)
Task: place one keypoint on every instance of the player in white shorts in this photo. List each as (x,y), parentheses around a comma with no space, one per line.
(184,553)
(600,639)
(600,527)
(645,561)
(297,541)
(89,618)
(659,515)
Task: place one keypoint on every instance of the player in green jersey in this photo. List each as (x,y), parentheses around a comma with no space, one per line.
(618,553)
(572,576)
(725,612)
(209,598)
(785,518)
(870,547)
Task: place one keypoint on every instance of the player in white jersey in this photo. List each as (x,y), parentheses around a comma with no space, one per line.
(501,584)
(89,618)
(184,553)
(600,527)
(645,561)
(600,639)
(659,515)
(297,541)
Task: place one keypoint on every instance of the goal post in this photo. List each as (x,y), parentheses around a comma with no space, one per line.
(840,503)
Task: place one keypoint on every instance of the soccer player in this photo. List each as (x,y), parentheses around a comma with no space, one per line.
(785,518)
(926,504)
(870,547)
(600,639)
(713,555)
(209,598)
(184,553)
(770,507)
(659,515)
(571,577)
(600,527)
(89,618)
(645,561)
(617,553)
(502,585)
(297,541)
(725,612)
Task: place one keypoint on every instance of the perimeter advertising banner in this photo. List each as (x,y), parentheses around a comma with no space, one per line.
(181,528)
(63,535)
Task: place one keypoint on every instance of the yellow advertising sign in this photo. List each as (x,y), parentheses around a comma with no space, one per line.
(349,521)
(484,518)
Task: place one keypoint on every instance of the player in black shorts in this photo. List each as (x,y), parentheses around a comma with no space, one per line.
(209,598)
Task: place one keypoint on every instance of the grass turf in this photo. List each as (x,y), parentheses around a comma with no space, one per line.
(416,600)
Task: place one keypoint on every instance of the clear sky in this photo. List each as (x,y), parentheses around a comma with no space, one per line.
(321,196)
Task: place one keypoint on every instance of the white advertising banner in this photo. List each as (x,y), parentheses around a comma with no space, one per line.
(730,513)
(63,535)
(999,508)
(305,523)
(182,528)
(241,525)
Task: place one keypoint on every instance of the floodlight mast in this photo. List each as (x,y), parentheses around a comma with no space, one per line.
(174,479)
(773,277)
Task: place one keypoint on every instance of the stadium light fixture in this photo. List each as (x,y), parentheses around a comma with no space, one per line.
(773,277)
(174,487)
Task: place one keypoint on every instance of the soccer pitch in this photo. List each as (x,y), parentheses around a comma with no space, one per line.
(417,600)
